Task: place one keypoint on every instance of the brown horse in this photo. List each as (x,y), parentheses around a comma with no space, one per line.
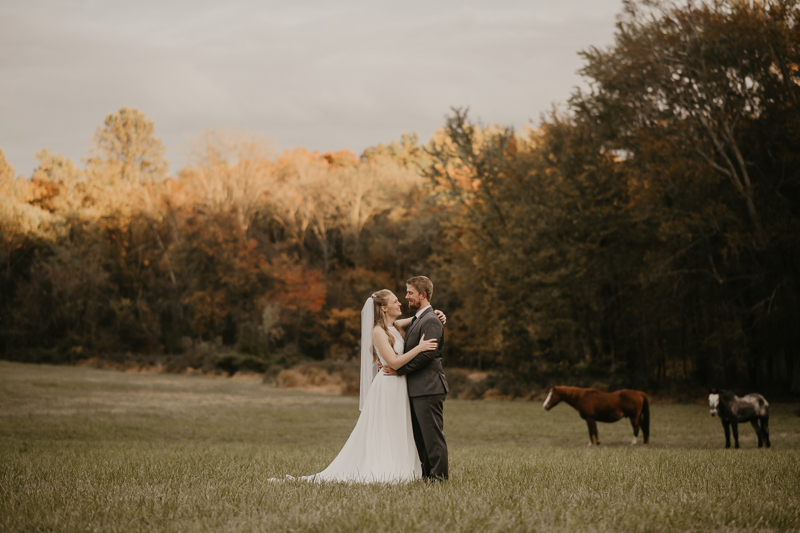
(595,406)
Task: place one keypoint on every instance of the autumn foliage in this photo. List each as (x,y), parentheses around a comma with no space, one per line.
(646,238)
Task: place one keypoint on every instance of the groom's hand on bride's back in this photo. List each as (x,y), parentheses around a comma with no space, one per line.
(389,371)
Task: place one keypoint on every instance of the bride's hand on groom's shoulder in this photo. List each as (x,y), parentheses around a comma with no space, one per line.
(441,316)
(427,345)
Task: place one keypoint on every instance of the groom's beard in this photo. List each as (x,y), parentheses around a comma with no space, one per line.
(414,306)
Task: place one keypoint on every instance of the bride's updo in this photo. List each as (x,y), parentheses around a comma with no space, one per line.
(380,299)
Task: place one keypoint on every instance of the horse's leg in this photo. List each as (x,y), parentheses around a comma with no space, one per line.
(754,423)
(635,424)
(727,427)
(591,435)
(593,431)
(765,428)
(735,428)
(644,419)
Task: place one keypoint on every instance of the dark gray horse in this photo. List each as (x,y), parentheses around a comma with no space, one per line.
(733,410)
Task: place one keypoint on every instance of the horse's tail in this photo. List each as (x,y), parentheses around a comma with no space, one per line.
(765,421)
(644,418)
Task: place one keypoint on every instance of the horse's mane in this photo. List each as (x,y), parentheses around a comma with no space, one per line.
(728,395)
(573,389)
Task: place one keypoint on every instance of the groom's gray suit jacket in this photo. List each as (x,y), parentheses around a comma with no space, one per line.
(424,373)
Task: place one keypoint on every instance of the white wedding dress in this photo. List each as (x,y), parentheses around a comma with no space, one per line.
(381,448)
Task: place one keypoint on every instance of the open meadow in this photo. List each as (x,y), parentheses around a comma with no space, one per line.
(83,449)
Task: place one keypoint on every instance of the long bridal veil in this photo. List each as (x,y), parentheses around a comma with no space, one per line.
(369,368)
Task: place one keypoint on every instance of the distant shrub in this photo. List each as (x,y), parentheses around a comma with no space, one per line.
(235,362)
(287,357)
(251,341)
(338,377)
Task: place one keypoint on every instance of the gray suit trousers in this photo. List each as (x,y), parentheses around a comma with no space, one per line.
(428,422)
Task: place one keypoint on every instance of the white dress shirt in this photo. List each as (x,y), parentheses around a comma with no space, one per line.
(419,313)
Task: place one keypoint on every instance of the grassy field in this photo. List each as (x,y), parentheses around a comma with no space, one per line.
(92,450)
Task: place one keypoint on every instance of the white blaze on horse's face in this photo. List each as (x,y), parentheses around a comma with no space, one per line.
(713,403)
(547,400)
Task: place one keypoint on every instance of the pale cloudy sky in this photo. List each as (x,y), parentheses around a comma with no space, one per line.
(319,74)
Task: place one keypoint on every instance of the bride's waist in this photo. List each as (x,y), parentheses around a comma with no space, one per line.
(381,374)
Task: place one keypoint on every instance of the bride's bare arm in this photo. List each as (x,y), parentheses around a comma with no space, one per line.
(381,341)
(423,346)
(403,323)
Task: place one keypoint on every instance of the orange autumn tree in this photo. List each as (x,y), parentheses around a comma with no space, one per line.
(301,294)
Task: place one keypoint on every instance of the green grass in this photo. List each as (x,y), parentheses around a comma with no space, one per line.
(91,450)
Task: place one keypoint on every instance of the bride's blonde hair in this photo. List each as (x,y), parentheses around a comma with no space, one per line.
(380,299)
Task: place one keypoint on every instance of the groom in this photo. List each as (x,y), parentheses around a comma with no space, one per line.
(427,386)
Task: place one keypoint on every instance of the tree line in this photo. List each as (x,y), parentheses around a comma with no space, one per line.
(646,237)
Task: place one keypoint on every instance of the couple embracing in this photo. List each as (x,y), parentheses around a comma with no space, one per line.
(399,435)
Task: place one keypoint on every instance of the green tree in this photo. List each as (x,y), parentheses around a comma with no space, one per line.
(701,100)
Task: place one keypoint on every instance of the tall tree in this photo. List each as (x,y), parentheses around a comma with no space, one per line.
(126,146)
(231,172)
(701,100)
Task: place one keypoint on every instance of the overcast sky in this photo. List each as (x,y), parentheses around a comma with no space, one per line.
(319,74)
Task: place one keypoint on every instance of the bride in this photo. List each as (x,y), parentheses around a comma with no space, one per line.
(381,447)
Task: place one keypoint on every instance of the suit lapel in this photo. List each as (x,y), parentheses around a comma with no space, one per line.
(424,313)
(414,327)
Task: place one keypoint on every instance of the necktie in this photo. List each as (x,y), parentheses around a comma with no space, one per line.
(414,319)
